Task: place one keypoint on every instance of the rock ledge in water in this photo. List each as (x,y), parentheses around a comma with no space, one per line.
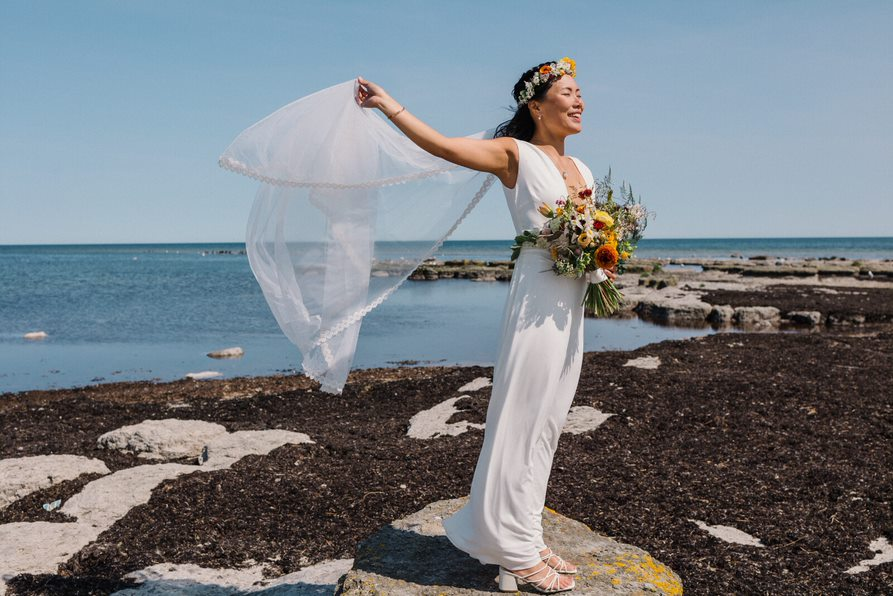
(412,555)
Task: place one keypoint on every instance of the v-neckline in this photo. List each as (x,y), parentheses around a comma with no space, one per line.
(555,168)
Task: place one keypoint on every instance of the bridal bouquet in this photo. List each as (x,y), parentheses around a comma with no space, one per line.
(590,231)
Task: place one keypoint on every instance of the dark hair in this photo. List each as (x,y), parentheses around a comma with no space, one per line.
(520,125)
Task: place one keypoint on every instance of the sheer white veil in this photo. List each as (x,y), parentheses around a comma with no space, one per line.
(347,208)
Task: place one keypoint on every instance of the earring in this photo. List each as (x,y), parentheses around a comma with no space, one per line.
(540,117)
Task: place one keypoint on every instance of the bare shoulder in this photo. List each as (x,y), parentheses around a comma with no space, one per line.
(509,175)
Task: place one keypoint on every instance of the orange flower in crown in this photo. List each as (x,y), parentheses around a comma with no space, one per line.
(546,74)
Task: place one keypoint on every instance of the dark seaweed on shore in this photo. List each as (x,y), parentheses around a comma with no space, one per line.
(786,436)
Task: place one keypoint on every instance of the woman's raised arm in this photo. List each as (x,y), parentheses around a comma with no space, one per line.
(496,156)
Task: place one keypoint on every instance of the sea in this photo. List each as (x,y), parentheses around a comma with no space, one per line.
(126,312)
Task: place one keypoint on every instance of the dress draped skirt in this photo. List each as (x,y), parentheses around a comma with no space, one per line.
(534,382)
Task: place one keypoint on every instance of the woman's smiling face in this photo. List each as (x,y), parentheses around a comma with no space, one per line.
(561,109)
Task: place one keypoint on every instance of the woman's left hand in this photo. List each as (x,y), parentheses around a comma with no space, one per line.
(370,95)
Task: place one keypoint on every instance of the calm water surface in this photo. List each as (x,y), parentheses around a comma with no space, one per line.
(134,312)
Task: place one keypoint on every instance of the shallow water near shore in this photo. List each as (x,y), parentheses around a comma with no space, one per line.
(153,311)
(443,322)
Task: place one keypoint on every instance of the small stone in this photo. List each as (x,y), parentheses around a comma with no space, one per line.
(205,374)
(235,352)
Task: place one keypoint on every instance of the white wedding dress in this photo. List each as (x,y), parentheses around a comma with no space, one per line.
(534,381)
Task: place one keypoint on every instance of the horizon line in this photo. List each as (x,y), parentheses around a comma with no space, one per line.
(452,240)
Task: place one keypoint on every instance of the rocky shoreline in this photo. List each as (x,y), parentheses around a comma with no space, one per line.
(756,293)
(758,266)
(752,460)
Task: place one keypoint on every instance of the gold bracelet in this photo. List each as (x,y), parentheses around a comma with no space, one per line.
(397,113)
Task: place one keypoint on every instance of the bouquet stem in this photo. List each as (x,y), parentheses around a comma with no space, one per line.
(602,298)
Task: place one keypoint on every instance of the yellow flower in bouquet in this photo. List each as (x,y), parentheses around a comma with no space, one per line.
(603,218)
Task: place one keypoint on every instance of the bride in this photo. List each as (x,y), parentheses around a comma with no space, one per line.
(541,346)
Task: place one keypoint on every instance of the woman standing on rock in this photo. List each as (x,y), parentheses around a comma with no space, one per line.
(541,346)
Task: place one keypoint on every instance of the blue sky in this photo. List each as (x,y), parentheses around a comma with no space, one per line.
(730,119)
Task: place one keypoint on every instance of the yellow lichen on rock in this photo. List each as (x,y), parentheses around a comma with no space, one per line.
(647,570)
(634,567)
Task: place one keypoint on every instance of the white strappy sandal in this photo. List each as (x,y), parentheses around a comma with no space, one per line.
(548,584)
(562,566)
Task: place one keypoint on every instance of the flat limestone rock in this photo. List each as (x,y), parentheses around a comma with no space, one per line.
(678,308)
(476,384)
(225,450)
(729,534)
(432,423)
(169,438)
(21,476)
(40,547)
(192,580)
(646,362)
(412,556)
(756,315)
(581,419)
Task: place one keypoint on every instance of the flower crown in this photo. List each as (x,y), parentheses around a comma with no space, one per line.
(546,74)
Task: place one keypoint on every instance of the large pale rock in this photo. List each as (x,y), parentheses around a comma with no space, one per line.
(170,438)
(21,476)
(413,556)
